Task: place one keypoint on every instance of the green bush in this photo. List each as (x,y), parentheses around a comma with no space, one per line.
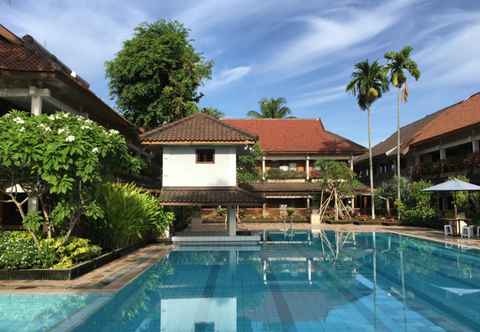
(130,215)
(416,208)
(18,251)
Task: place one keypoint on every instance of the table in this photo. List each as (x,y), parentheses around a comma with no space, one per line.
(456,224)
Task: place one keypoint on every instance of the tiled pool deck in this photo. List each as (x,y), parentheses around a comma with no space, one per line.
(120,272)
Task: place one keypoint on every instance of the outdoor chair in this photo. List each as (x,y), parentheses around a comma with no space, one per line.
(467,231)
(447,230)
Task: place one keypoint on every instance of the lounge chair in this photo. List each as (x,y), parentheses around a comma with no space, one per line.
(447,230)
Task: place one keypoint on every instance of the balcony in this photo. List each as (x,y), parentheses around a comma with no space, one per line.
(276,174)
(449,167)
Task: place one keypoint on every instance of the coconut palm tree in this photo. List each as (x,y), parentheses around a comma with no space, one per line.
(369,82)
(272,108)
(398,65)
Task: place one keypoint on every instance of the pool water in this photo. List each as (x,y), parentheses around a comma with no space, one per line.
(341,282)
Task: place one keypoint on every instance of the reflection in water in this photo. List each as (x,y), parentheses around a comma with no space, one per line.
(343,281)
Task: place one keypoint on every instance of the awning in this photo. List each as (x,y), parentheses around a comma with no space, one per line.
(454,185)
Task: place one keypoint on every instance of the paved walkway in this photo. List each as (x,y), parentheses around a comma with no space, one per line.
(108,278)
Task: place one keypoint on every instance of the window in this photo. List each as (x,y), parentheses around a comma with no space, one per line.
(205,156)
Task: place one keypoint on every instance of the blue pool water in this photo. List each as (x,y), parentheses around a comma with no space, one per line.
(341,282)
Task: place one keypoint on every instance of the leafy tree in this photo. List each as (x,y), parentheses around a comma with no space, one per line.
(369,82)
(247,164)
(398,65)
(416,207)
(212,111)
(156,76)
(387,192)
(338,182)
(272,108)
(59,160)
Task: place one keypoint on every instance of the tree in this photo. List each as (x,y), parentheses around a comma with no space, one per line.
(272,108)
(58,160)
(369,82)
(155,77)
(398,64)
(247,164)
(338,182)
(213,111)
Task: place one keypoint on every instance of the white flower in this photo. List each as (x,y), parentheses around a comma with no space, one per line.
(88,121)
(61,130)
(70,138)
(19,120)
(95,150)
(21,130)
(47,129)
(113,132)
(85,127)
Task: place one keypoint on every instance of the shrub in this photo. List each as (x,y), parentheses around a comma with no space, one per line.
(130,215)
(416,207)
(18,251)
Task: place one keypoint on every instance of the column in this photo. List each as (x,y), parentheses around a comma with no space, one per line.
(307,167)
(443,154)
(232,221)
(308,202)
(36,102)
(264,210)
(263,168)
(351,163)
(475,146)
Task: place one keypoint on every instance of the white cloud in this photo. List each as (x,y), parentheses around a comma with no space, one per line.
(326,37)
(319,97)
(228,76)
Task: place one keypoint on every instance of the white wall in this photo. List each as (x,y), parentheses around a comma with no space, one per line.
(181,170)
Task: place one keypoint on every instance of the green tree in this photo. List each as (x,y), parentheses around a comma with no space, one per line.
(155,77)
(416,206)
(213,111)
(369,82)
(58,160)
(247,164)
(272,108)
(398,65)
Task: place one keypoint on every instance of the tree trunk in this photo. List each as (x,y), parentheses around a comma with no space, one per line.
(370,159)
(399,196)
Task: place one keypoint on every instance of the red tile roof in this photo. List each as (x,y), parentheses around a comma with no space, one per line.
(452,118)
(197,128)
(277,136)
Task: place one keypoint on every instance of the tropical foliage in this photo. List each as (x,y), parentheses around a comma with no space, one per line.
(416,208)
(212,111)
(369,82)
(272,108)
(247,164)
(130,215)
(58,160)
(398,65)
(156,76)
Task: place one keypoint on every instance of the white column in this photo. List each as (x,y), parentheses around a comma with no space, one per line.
(307,167)
(36,102)
(351,163)
(475,146)
(263,168)
(308,202)
(232,221)
(443,154)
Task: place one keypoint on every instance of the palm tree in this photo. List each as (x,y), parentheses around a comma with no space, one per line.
(272,108)
(369,82)
(398,64)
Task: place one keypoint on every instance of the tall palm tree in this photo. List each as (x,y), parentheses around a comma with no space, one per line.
(398,65)
(369,82)
(272,108)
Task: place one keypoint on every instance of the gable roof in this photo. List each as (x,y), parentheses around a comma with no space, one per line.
(296,136)
(447,120)
(197,128)
(452,118)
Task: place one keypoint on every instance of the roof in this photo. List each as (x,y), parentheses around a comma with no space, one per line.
(447,120)
(23,60)
(197,128)
(452,118)
(295,136)
(207,196)
(454,185)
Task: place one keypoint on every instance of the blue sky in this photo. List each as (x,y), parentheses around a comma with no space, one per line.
(301,50)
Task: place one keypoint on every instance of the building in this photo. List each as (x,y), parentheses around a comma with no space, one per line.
(440,145)
(34,80)
(290,149)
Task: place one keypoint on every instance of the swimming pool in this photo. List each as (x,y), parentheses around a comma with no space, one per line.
(341,282)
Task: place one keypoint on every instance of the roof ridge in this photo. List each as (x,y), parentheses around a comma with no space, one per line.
(346,139)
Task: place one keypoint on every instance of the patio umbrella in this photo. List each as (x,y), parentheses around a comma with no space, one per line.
(452,186)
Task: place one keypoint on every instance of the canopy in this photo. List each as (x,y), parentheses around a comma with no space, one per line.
(454,185)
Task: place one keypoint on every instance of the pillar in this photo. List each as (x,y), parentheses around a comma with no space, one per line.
(443,154)
(307,167)
(36,102)
(232,221)
(264,210)
(308,202)
(475,146)
(263,168)
(351,163)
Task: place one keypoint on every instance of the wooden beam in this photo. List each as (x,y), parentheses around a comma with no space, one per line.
(15,92)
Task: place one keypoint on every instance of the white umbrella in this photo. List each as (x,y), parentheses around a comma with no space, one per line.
(454,185)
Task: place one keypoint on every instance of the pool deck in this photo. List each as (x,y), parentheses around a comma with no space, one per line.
(120,272)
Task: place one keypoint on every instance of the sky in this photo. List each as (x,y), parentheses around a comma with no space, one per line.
(303,51)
